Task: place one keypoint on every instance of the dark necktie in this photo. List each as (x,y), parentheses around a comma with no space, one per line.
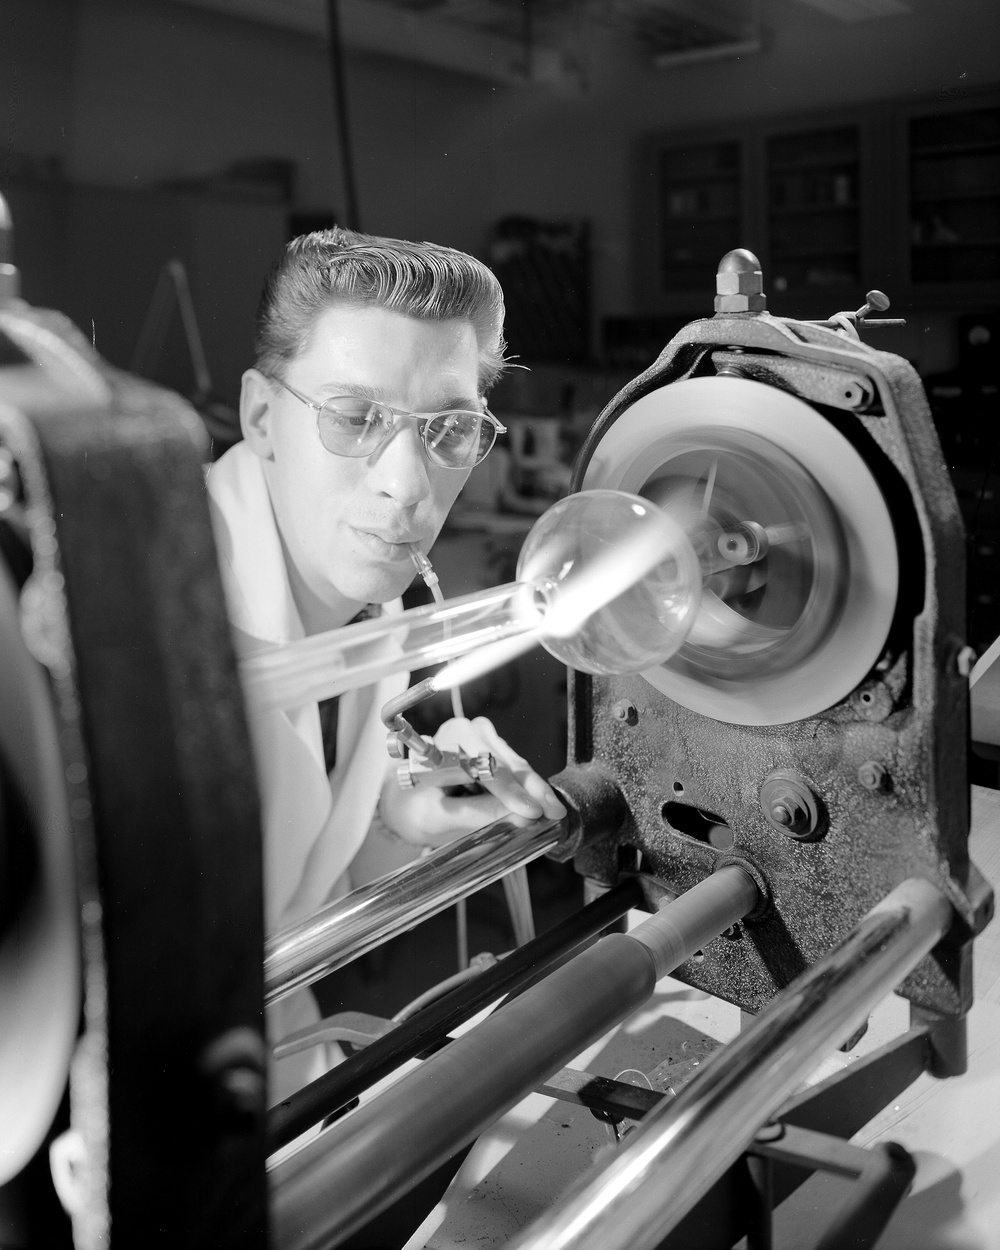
(329,708)
(328,717)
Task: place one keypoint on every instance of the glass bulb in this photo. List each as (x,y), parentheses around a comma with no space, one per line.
(607,582)
(619,580)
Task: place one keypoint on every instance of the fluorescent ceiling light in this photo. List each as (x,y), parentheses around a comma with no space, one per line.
(859,10)
(395,31)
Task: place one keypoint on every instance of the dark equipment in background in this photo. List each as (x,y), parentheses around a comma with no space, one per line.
(174,291)
(544,269)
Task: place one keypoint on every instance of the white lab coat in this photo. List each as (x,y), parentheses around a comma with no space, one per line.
(301,805)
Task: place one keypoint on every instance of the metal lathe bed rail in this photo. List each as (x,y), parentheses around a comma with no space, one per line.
(357,923)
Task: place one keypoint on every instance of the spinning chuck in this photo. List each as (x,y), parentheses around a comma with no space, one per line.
(796,544)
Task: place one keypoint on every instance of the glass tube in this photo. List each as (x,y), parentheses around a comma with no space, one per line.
(606,582)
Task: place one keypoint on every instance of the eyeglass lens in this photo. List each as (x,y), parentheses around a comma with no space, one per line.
(350,427)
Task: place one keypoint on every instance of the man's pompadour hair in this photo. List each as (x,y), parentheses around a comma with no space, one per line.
(338,266)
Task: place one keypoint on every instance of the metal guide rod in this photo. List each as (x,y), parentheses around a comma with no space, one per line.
(362,1163)
(431,1025)
(683,1147)
(355,924)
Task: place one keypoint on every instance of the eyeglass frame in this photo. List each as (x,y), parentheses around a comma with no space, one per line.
(422,417)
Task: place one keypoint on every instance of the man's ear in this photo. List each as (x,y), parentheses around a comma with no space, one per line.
(257,413)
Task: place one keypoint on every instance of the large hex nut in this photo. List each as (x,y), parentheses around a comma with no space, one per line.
(740,303)
(739,284)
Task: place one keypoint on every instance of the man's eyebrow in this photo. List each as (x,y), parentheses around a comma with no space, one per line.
(463,402)
(380,395)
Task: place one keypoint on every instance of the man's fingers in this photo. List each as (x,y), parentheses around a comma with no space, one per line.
(527,784)
(513,794)
(539,788)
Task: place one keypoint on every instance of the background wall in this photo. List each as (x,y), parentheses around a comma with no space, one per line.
(132,93)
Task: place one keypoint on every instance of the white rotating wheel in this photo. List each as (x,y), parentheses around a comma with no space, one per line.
(789,633)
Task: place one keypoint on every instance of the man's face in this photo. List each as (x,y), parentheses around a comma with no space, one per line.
(345,523)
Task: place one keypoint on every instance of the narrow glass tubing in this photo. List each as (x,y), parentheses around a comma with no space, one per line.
(606,582)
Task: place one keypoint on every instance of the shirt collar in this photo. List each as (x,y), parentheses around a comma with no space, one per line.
(251,558)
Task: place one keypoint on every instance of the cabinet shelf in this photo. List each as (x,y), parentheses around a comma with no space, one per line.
(694,218)
(692,182)
(811,210)
(955,194)
(809,164)
(808,253)
(955,246)
(954,149)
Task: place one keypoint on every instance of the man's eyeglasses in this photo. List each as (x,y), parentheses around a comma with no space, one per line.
(351,426)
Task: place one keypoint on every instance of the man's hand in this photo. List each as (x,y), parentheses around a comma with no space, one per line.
(427,816)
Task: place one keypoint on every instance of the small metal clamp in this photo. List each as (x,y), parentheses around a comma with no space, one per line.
(424,763)
(451,768)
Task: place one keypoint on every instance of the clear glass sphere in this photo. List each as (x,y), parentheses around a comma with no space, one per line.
(618,581)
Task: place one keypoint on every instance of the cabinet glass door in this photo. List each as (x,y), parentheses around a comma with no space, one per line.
(814,209)
(955,197)
(699,190)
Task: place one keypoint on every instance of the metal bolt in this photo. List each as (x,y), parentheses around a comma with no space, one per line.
(739,283)
(857,394)
(872,775)
(483,765)
(873,702)
(965,660)
(626,712)
(233,1064)
(787,801)
(242,1091)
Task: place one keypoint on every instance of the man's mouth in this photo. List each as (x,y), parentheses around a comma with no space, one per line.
(395,542)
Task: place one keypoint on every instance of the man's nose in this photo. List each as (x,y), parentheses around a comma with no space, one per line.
(400,467)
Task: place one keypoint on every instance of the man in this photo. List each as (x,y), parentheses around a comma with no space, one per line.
(361,421)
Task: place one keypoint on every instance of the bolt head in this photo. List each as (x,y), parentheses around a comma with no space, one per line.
(626,712)
(872,775)
(788,803)
(234,1066)
(484,765)
(242,1091)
